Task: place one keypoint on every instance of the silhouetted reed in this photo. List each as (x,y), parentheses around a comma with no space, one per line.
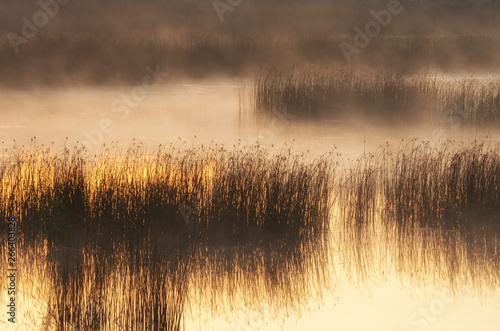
(241,194)
(432,213)
(445,188)
(383,97)
(421,186)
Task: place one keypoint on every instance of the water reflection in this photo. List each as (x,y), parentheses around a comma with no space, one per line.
(153,281)
(147,282)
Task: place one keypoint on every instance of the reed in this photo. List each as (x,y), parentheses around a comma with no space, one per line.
(430,213)
(443,188)
(383,97)
(241,194)
(420,186)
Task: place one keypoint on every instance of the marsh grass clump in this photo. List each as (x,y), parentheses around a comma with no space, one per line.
(359,195)
(315,95)
(450,189)
(419,186)
(385,97)
(227,194)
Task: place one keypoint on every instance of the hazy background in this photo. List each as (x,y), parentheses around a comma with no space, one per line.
(110,42)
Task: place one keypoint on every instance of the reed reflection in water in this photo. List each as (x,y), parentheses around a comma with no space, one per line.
(144,282)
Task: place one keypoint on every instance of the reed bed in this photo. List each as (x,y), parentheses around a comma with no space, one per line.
(451,189)
(211,189)
(431,214)
(383,97)
(420,186)
(241,193)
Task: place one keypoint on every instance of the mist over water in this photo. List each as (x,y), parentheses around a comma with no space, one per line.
(163,115)
(197,112)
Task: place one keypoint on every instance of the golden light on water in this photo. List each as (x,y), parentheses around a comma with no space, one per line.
(267,283)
